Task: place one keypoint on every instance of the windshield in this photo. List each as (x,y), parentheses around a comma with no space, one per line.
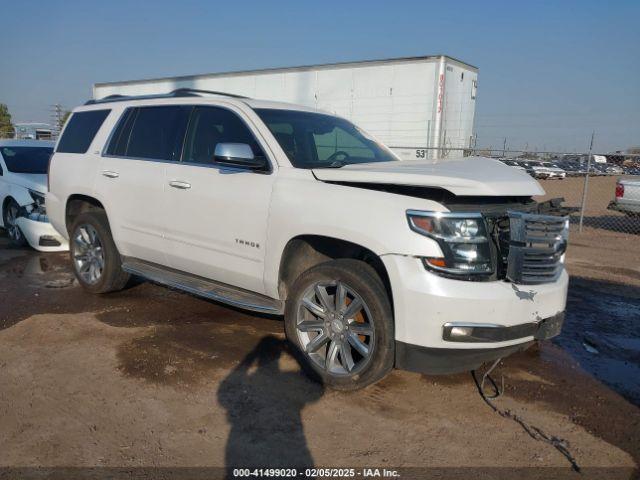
(314,140)
(26,159)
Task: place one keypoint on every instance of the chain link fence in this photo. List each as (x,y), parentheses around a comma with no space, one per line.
(603,190)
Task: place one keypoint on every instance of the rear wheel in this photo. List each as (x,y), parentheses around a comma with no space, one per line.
(11,214)
(338,316)
(94,256)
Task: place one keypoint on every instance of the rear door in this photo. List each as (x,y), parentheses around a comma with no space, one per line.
(216,216)
(131,177)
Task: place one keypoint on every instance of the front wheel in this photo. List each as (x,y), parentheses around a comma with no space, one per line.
(11,213)
(338,316)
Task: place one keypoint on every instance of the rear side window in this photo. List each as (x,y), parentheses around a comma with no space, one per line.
(81,130)
(151,132)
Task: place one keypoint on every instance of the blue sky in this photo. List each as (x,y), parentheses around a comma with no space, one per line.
(550,72)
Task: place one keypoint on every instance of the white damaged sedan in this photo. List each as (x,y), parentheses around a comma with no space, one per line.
(23,185)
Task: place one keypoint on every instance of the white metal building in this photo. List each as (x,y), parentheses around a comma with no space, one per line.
(33,131)
(411,104)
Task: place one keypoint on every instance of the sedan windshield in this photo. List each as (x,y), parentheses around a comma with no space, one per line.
(314,140)
(26,159)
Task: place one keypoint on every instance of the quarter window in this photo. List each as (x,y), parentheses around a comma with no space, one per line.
(120,138)
(80,131)
(211,125)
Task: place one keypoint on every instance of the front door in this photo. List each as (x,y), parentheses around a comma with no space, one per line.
(216,217)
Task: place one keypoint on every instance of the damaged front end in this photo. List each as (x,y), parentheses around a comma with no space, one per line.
(34,224)
(37,211)
(489,238)
(530,242)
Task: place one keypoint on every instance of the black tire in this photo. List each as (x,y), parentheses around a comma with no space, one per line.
(16,237)
(112,278)
(364,280)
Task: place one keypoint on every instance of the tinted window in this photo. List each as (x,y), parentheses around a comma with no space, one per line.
(157,132)
(120,137)
(314,140)
(26,159)
(210,126)
(80,130)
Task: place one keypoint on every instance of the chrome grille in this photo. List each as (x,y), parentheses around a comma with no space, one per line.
(536,246)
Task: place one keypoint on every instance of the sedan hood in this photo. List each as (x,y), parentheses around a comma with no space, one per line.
(465,176)
(37,182)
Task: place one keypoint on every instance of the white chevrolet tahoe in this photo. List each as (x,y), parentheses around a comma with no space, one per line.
(435,266)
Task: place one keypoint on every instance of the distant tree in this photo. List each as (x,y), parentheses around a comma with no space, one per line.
(633,151)
(6,127)
(63,119)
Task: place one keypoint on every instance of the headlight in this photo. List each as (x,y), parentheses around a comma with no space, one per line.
(462,237)
(38,202)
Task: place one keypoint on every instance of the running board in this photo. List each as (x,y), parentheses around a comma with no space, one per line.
(203,287)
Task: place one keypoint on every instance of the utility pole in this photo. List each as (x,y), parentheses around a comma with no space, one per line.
(586,182)
(57,114)
(504,147)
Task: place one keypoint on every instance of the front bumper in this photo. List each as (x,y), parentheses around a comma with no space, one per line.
(425,303)
(470,332)
(441,361)
(41,235)
(435,361)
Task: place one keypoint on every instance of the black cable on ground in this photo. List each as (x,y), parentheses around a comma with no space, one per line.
(534,432)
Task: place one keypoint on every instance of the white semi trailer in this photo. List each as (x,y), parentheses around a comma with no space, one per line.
(421,107)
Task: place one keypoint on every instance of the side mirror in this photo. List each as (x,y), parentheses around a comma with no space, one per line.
(239,155)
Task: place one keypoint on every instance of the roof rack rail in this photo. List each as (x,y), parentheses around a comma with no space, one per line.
(211,92)
(179,92)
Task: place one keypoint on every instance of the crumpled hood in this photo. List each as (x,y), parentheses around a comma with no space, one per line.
(33,181)
(468,176)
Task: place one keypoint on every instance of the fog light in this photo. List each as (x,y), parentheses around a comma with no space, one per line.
(461,332)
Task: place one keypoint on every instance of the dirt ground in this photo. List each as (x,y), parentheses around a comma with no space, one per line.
(149,377)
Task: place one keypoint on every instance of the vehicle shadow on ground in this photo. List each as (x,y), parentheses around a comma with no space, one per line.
(264,405)
(612,223)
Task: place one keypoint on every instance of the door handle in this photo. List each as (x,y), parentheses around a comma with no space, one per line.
(110,174)
(180,184)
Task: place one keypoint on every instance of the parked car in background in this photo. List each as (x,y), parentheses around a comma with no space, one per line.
(608,169)
(631,169)
(523,165)
(513,163)
(432,266)
(572,168)
(536,168)
(23,187)
(627,198)
(544,170)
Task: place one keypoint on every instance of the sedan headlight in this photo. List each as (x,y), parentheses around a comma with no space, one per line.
(38,202)
(463,240)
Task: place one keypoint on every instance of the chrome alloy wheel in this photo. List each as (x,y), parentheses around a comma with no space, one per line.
(88,254)
(11,223)
(335,328)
